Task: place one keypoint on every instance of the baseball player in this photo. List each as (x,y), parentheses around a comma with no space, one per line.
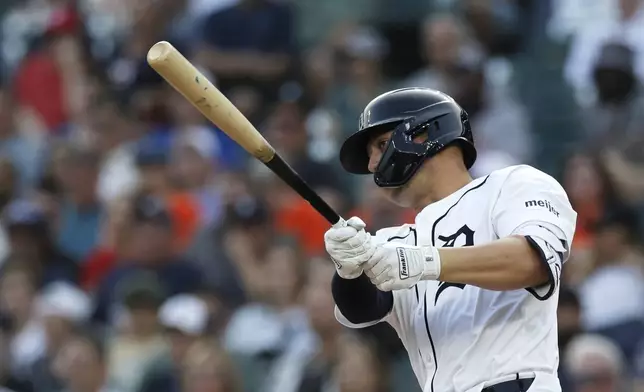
(471,287)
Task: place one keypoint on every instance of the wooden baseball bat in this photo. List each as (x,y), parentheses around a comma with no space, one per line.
(168,62)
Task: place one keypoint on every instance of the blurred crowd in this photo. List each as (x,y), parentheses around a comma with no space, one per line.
(141,250)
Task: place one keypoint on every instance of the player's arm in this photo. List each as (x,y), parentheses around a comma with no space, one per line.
(535,223)
(359,301)
(506,264)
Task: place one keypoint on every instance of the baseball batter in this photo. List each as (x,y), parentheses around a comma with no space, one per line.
(471,287)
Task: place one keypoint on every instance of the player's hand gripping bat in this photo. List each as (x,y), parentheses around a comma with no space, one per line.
(193,85)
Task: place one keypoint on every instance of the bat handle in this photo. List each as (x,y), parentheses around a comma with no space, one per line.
(289,176)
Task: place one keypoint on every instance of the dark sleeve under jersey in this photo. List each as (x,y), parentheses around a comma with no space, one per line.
(359,300)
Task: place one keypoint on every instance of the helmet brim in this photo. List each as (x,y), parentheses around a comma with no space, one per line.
(353,153)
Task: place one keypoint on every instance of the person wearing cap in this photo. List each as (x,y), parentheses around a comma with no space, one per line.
(596,364)
(150,248)
(185,320)
(136,342)
(64,309)
(31,242)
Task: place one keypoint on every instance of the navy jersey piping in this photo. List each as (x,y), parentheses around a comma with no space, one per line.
(431,341)
(429,335)
(399,237)
(453,205)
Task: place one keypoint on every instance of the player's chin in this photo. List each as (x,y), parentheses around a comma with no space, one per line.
(396,195)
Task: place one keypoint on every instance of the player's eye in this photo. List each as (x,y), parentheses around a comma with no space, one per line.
(383,144)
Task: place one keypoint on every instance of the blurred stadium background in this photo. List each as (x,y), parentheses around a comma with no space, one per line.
(142,251)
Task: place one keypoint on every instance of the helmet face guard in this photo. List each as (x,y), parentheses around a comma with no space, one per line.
(403,156)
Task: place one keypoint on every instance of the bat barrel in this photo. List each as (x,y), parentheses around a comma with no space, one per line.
(168,62)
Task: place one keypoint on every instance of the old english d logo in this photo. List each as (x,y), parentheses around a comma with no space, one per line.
(464,234)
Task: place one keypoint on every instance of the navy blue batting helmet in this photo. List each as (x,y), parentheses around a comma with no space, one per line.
(409,112)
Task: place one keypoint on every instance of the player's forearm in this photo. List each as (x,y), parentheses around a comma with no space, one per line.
(359,300)
(506,264)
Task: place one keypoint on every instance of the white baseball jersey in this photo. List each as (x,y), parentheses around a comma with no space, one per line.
(463,338)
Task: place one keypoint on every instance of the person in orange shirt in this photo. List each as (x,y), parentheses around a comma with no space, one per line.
(155,180)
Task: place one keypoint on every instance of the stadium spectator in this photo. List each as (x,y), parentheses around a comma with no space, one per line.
(80,211)
(569,326)
(81,364)
(360,367)
(64,310)
(185,320)
(306,362)
(208,368)
(23,151)
(31,241)
(275,282)
(149,248)
(24,331)
(249,43)
(136,342)
(618,276)
(596,365)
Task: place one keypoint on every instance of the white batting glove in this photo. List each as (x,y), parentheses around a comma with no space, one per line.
(396,266)
(349,246)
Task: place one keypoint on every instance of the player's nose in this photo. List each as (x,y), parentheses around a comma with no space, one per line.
(374,160)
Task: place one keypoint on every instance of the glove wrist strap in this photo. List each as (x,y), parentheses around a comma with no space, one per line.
(432,263)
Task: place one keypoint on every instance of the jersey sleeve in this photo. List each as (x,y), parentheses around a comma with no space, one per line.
(534,205)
